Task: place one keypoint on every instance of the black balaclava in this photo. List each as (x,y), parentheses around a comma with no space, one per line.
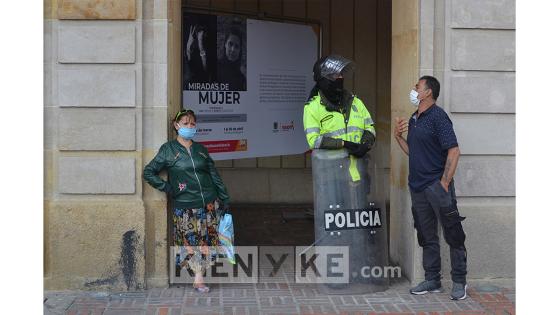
(333,91)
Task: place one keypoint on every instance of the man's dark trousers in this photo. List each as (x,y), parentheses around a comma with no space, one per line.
(429,206)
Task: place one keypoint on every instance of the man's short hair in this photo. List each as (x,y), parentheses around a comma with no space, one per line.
(433,84)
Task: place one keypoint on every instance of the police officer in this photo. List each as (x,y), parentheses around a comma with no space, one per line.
(333,118)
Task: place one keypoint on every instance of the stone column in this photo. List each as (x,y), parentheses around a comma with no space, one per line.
(403,250)
(94,213)
(156,115)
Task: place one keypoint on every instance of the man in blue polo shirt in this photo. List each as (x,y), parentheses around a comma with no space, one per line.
(433,153)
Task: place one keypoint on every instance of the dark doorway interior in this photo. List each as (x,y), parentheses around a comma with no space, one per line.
(259,225)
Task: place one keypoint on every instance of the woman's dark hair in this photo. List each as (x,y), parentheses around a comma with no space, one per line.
(432,84)
(181,113)
(237,32)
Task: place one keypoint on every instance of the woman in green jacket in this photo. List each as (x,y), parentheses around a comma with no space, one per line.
(197,191)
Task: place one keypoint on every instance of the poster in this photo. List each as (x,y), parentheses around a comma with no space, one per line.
(247,81)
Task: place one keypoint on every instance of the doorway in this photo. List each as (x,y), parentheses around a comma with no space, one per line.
(357,29)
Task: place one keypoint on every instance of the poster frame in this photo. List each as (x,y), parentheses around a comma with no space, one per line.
(263,16)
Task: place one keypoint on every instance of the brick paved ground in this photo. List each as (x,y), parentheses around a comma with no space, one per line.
(271,224)
(276,298)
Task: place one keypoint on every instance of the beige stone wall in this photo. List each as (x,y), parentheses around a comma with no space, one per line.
(475,41)
(94,9)
(469,45)
(112,84)
(95,218)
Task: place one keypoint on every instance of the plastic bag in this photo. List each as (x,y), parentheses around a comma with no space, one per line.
(225,234)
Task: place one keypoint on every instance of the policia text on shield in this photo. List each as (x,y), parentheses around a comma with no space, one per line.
(352,219)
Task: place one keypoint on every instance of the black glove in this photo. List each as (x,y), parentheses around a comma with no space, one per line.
(356,149)
(350,146)
(368,138)
(362,150)
(330,143)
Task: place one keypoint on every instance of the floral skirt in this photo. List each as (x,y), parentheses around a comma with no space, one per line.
(195,234)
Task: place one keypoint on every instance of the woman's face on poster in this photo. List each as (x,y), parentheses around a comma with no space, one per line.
(233,47)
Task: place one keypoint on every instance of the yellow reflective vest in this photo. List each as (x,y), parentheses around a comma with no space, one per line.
(319,123)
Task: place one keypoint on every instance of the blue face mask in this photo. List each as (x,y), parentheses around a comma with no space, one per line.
(187,133)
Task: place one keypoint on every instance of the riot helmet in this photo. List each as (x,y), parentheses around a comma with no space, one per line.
(328,72)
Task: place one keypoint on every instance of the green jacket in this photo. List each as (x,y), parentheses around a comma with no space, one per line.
(193,180)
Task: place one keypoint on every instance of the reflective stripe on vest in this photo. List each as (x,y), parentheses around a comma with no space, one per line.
(341,132)
(347,131)
(312,130)
(317,142)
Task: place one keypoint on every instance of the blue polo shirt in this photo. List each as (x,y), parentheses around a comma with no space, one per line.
(429,137)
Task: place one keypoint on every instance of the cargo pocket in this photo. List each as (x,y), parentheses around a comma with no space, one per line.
(452,227)
(421,240)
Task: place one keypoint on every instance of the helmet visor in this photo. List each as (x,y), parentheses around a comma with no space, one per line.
(335,66)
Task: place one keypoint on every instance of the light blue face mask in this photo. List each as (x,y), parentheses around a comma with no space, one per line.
(187,133)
